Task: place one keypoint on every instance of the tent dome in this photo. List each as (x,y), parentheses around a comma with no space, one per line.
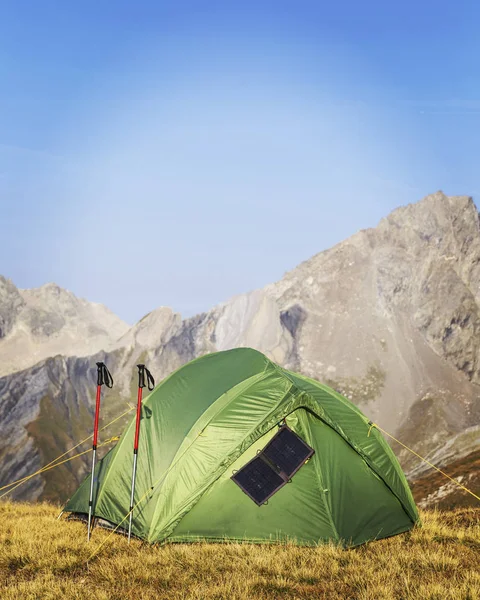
(210,451)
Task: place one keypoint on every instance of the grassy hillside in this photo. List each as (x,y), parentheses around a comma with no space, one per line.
(43,558)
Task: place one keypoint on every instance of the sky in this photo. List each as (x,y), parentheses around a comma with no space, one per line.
(179,153)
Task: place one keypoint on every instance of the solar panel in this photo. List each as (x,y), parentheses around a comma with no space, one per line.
(287,452)
(258,480)
(274,466)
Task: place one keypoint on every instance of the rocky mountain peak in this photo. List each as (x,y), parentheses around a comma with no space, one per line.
(439,221)
(52,288)
(41,322)
(152,330)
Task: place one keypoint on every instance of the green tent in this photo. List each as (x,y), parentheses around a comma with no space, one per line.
(208,435)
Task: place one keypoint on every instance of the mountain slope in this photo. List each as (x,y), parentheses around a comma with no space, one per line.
(389,317)
(434,490)
(41,322)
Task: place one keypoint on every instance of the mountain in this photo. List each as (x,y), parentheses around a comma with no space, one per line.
(42,322)
(390,318)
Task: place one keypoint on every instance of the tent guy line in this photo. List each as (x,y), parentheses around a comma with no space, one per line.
(52,465)
(423,459)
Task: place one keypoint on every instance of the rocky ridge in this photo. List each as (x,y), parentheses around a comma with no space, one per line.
(41,322)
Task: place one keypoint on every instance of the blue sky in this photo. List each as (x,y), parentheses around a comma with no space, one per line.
(179,153)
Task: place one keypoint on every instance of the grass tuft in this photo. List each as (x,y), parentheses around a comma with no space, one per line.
(41,557)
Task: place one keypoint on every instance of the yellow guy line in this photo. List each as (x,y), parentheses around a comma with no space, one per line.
(424,459)
(100,546)
(51,463)
(47,468)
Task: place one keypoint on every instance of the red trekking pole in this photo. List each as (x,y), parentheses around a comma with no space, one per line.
(142,370)
(103,377)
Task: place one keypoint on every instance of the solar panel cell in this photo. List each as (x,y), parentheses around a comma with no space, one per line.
(287,452)
(258,480)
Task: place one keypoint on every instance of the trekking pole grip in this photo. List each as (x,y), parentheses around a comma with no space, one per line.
(141,376)
(142,371)
(103,375)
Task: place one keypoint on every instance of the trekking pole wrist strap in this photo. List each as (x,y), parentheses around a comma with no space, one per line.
(103,375)
(142,371)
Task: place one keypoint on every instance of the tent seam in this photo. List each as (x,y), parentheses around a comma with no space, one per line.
(232,457)
(319,477)
(261,376)
(359,451)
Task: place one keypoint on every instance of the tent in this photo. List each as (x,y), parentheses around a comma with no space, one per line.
(234,447)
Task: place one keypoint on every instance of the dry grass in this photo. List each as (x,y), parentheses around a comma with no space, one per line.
(42,558)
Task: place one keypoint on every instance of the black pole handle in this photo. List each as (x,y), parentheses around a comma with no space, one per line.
(142,371)
(103,375)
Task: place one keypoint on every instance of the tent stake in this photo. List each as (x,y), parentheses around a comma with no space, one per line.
(142,370)
(103,377)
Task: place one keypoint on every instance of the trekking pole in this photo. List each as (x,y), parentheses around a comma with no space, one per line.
(142,370)
(103,377)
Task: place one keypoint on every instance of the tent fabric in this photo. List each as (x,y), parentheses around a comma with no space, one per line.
(208,419)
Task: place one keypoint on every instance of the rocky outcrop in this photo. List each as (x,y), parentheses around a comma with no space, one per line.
(389,317)
(433,489)
(41,322)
